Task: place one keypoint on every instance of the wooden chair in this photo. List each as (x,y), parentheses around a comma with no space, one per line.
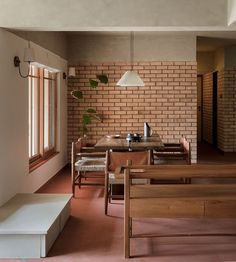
(116,159)
(174,153)
(86,162)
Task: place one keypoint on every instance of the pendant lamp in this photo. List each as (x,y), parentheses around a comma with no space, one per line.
(131,78)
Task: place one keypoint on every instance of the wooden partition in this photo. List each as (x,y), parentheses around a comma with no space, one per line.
(209,200)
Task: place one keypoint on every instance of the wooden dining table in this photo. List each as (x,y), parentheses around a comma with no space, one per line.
(119,142)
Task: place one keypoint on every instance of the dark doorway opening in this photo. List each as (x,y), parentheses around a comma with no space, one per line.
(199,108)
(214,110)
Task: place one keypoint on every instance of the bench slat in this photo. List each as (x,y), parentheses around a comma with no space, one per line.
(183,191)
(183,208)
(183,171)
(165,208)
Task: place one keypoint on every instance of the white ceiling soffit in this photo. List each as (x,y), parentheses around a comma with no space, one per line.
(231,12)
(116,15)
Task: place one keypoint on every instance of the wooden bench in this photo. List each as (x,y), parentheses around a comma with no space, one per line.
(211,200)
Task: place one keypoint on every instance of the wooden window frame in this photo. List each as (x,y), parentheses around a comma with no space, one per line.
(37,156)
(44,155)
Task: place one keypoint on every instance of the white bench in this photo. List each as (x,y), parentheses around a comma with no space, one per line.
(30,223)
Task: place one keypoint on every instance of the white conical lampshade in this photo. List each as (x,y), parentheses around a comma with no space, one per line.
(72,71)
(29,55)
(130,78)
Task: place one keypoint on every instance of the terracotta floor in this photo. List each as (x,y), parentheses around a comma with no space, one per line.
(89,235)
(209,154)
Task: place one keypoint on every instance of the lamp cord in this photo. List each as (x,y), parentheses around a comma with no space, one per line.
(132,50)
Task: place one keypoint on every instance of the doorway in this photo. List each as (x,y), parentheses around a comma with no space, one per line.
(199,107)
(214,109)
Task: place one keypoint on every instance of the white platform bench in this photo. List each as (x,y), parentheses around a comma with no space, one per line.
(30,223)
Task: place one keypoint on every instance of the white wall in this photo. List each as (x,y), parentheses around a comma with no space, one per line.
(205,62)
(230,56)
(14,167)
(115,47)
(53,41)
(219,59)
(213,61)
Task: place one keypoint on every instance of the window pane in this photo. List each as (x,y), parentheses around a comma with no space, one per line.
(33,116)
(49,110)
(46,73)
(52,114)
(46,114)
(29,115)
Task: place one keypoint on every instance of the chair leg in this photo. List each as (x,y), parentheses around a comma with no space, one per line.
(109,194)
(79,180)
(73,190)
(73,180)
(106,194)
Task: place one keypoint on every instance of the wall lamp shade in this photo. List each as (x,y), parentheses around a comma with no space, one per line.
(130,78)
(28,57)
(71,72)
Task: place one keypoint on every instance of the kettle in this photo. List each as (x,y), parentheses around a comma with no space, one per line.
(147,130)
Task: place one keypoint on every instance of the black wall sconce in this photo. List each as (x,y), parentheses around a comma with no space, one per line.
(71,73)
(28,57)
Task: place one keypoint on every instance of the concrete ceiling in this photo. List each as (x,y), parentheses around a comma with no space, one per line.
(116,15)
(212,21)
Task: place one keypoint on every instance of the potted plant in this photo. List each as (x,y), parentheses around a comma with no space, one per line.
(90,113)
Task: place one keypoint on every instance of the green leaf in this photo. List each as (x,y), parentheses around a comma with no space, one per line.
(93,83)
(91,111)
(102,78)
(86,119)
(84,129)
(77,94)
(97,117)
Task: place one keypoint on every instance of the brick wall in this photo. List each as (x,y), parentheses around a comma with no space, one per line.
(229,100)
(168,101)
(226,122)
(207,107)
(220,111)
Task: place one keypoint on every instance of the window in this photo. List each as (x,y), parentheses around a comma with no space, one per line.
(42,114)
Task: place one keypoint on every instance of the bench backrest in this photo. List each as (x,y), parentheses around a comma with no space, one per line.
(214,200)
(181,200)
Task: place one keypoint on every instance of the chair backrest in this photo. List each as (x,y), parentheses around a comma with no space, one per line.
(76,148)
(116,159)
(185,145)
